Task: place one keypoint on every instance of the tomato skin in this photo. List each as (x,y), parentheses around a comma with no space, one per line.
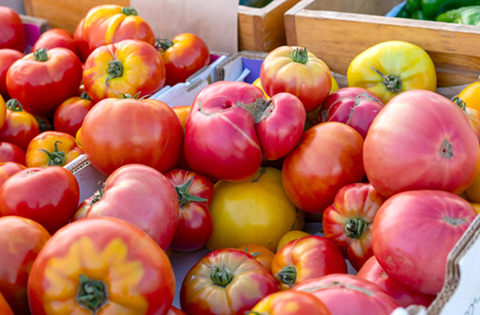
(24,194)
(182,114)
(56,38)
(470,95)
(4,307)
(290,236)
(136,272)
(474,119)
(20,242)
(70,114)
(83,49)
(134,132)
(175,311)
(10,152)
(404,229)
(250,282)
(291,303)
(442,155)
(83,209)
(20,127)
(372,271)
(262,254)
(312,186)
(7,169)
(13,34)
(7,58)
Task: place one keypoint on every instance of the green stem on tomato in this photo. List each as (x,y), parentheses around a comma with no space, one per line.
(55,158)
(184,198)
(221,276)
(355,227)
(288,275)
(91,294)
(40,55)
(163,44)
(392,82)
(460,103)
(99,194)
(129,11)
(300,55)
(14,105)
(85,96)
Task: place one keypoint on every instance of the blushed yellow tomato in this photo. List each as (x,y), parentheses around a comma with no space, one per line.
(290,236)
(78,137)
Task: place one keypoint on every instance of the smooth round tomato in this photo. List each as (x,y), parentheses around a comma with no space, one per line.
(4,307)
(175,311)
(48,196)
(20,242)
(255,211)
(372,271)
(56,38)
(119,132)
(299,72)
(290,236)
(7,58)
(70,114)
(7,169)
(414,232)
(392,67)
(13,34)
(411,147)
(184,55)
(471,96)
(10,152)
(311,185)
(126,269)
(20,127)
(262,254)
(225,282)
(82,46)
(290,303)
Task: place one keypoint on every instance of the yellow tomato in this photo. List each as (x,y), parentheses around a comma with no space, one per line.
(393,67)
(290,236)
(258,83)
(476,207)
(471,96)
(334,85)
(78,137)
(3,111)
(254,211)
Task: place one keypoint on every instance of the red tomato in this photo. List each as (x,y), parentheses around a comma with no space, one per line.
(304,259)
(311,185)
(290,303)
(4,307)
(20,242)
(83,49)
(83,207)
(348,222)
(48,196)
(195,223)
(7,169)
(10,152)
(20,127)
(347,294)
(41,81)
(225,282)
(355,107)
(133,131)
(410,146)
(142,196)
(69,115)
(231,127)
(183,56)
(127,271)
(7,58)
(372,271)
(175,311)
(13,34)
(414,232)
(56,38)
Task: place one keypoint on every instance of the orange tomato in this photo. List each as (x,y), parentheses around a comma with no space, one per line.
(471,96)
(290,303)
(182,114)
(20,127)
(262,254)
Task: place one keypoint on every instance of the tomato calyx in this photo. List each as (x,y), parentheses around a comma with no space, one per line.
(92,294)
(129,11)
(358,100)
(454,221)
(288,275)
(392,82)
(260,109)
(355,227)
(221,276)
(97,196)
(135,97)
(334,284)
(43,124)
(14,105)
(300,55)
(446,150)
(460,103)
(55,158)
(115,70)
(40,55)
(163,44)
(184,198)
(85,96)
(253,254)
(255,313)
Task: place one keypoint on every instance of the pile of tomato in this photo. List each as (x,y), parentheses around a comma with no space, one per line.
(387,165)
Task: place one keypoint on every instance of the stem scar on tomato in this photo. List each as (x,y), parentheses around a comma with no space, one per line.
(454,221)
(260,109)
(221,276)
(392,82)
(446,150)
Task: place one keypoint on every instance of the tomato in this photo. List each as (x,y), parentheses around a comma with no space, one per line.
(230,129)
(56,38)
(47,196)
(43,123)
(312,117)
(78,137)
(476,207)
(290,303)
(311,185)
(470,95)
(404,230)
(297,71)
(3,112)
(13,34)
(306,258)
(372,271)
(83,48)
(472,107)
(184,55)
(290,236)
(42,80)
(392,67)
(4,307)
(10,152)
(84,206)
(52,148)
(175,311)
(262,254)
(20,127)
(258,83)
(255,211)
(127,270)
(474,118)
(7,169)
(20,242)
(225,282)
(195,223)
(348,222)
(69,115)
(473,191)
(347,294)
(411,147)
(182,114)
(7,58)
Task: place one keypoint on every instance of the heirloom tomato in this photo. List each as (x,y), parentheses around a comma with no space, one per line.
(52,148)
(392,67)
(127,67)
(48,196)
(43,123)
(83,49)
(125,269)
(5,309)
(312,117)
(78,137)
(225,282)
(195,223)
(13,34)
(142,196)
(372,271)
(289,303)
(175,311)
(7,58)
(255,211)
(299,72)
(306,258)
(7,169)
(56,38)
(468,99)
(231,127)
(290,236)
(128,131)
(414,232)
(42,80)
(20,242)
(348,222)
(20,127)
(411,147)
(347,294)
(311,185)
(262,254)
(84,206)
(184,55)
(10,152)
(69,115)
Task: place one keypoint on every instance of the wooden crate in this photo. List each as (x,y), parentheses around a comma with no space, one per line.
(337,37)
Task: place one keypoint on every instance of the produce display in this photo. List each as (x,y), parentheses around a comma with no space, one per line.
(388,166)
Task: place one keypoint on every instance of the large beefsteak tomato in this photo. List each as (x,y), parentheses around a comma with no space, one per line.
(290,303)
